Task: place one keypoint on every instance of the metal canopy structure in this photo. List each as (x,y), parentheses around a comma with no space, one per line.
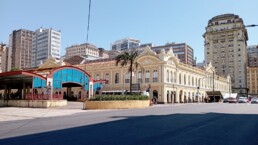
(16,79)
(37,84)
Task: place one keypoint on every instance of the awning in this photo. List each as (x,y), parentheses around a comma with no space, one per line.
(216,93)
(16,79)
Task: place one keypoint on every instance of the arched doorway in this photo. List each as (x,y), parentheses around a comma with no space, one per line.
(70,77)
(181,96)
(155,96)
(172,98)
(168,100)
(71,91)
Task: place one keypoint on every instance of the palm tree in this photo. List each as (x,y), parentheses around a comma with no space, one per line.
(129,58)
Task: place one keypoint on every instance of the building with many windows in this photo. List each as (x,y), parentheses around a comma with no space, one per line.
(125,44)
(4,58)
(86,50)
(164,76)
(46,44)
(252,80)
(225,47)
(183,51)
(19,51)
(2,49)
(252,55)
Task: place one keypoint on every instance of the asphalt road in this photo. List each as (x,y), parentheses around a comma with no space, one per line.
(186,124)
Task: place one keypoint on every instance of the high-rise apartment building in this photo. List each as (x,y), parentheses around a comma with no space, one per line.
(19,51)
(183,51)
(46,44)
(225,47)
(124,44)
(252,81)
(2,47)
(4,58)
(252,55)
(85,50)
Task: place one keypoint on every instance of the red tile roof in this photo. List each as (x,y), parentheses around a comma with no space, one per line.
(74,60)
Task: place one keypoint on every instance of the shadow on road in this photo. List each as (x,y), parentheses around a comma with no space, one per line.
(181,129)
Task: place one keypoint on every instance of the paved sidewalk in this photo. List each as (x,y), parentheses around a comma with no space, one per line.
(15,113)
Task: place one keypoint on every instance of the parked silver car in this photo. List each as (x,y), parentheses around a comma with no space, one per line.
(254,101)
(242,100)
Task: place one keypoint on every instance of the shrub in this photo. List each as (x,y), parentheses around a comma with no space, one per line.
(118,97)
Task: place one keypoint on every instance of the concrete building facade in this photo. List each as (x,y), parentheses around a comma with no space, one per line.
(86,50)
(252,56)
(183,51)
(4,58)
(252,80)
(46,44)
(225,47)
(19,51)
(2,49)
(125,44)
(168,79)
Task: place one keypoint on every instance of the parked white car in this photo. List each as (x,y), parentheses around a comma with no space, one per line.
(242,100)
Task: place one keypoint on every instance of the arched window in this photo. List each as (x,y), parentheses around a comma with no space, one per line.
(140,77)
(167,75)
(189,80)
(97,77)
(117,78)
(107,78)
(175,77)
(179,78)
(127,77)
(155,76)
(147,76)
(192,81)
(184,79)
(171,76)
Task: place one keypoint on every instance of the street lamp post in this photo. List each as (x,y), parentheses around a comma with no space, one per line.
(213,87)
(253,25)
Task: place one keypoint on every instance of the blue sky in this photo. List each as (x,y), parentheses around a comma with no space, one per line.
(150,21)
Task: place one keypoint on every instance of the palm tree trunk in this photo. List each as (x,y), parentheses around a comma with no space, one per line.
(131,77)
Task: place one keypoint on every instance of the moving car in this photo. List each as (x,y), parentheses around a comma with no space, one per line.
(254,101)
(232,100)
(242,100)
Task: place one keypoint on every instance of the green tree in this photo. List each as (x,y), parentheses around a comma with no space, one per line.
(129,58)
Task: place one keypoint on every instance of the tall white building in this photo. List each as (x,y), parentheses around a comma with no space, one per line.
(225,47)
(46,43)
(125,44)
